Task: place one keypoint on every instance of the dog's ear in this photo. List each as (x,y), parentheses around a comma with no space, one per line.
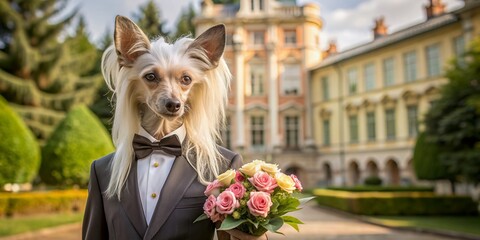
(212,42)
(130,41)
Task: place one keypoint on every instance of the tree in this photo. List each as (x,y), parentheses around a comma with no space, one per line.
(149,19)
(453,124)
(102,106)
(426,160)
(41,76)
(19,150)
(185,23)
(78,140)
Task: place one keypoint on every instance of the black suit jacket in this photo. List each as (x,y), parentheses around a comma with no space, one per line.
(180,203)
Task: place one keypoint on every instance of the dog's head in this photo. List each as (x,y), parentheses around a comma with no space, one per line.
(164,74)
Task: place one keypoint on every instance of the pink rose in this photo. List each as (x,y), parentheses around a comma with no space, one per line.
(238,189)
(298,184)
(263,182)
(209,206)
(213,188)
(259,203)
(226,202)
(239,177)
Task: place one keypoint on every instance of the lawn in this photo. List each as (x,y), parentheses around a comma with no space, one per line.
(16,225)
(463,224)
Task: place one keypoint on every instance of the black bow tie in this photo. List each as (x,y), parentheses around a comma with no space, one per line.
(143,147)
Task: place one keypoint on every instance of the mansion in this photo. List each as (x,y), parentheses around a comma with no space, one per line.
(333,118)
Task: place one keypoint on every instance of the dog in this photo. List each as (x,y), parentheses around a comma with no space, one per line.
(159,86)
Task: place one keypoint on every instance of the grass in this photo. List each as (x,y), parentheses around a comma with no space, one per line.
(462,224)
(16,225)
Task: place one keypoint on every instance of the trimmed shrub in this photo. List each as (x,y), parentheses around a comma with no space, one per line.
(78,140)
(19,149)
(383,189)
(392,204)
(31,203)
(426,161)
(373,181)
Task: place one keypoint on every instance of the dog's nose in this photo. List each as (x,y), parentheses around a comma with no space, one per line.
(172,105)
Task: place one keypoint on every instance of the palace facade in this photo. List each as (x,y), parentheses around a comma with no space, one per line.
(368,102)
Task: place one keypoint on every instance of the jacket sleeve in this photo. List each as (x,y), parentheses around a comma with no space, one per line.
(237,162)
(94,222)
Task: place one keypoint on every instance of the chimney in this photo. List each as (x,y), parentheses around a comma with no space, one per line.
(331,50)
(380,28)
(436,8)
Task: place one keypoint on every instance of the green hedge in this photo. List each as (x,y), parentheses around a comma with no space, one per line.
(32,203)
(402,203)
(19,150)
(78,140)
(383,189)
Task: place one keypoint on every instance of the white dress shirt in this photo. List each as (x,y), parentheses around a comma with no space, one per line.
(152,172)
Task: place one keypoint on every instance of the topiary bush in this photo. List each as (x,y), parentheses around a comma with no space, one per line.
(373,181)
(19,149)
(78,140)
(396,203)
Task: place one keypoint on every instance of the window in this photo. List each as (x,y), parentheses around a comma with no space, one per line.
(459,49)
(291,131)
(371,134)
(257,73)
(226,134)
(326,132)
(433,60)
(390,123)
(325,93)
(369,71)
(260,5)
(410,65)
(291,79)
(252,5)
(258,38)
(353,121)
(290,37)
(257,131)
(388,72)
(459,46)
(352,81)
(412,112)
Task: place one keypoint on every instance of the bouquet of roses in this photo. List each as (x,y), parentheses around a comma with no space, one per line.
(253,199)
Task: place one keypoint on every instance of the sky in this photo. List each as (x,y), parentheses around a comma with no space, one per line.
(348,22)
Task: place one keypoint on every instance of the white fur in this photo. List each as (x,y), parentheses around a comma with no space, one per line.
(203,119)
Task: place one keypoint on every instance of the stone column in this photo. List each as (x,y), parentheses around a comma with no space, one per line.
(239,91)
(273,88)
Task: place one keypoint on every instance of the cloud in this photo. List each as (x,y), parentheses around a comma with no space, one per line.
(351,26)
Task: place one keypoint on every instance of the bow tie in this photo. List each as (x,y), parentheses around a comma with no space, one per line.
(143,147)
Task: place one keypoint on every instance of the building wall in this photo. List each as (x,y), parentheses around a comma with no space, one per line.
(274,54)
(351,162)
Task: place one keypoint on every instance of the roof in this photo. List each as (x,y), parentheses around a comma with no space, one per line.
(387,40)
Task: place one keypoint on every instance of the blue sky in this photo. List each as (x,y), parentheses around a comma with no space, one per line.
(349,22)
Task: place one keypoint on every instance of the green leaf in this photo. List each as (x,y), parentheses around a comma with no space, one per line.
(253,223)
(305,200)
(288,205)
(292,221)
(231,223)
(201,218)
(294,225)
(274,224)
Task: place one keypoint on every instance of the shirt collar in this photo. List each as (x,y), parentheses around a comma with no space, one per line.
(180,132)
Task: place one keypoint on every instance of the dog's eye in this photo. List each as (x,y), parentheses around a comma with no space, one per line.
(186,80)
(150,77)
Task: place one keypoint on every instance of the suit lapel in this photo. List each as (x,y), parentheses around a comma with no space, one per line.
(179,179)
(131,202)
